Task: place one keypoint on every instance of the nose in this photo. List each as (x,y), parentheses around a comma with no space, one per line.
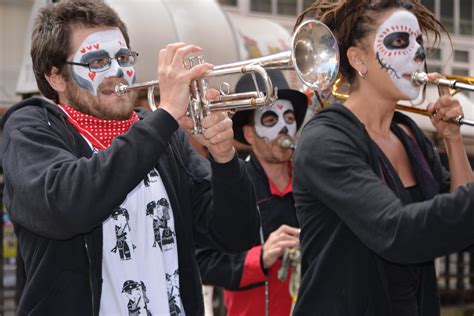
(420,55)
(284,130)
(115,69)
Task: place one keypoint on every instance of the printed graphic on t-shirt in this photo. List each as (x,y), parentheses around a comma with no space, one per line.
(172,284)
(159,211)
(137,299)
(123,246)
(151,177)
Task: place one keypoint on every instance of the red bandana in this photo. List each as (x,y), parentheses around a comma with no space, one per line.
(97,131)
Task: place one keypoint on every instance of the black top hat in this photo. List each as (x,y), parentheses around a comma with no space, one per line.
(119,211)
(163,202)
(246,84)
(130,285)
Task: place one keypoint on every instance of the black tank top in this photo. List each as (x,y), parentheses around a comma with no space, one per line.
(403,280)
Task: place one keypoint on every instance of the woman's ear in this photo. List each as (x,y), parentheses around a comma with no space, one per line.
(56,80)
(249,133)
(356,57)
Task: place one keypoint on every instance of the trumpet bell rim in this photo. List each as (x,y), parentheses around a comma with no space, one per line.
(315,54)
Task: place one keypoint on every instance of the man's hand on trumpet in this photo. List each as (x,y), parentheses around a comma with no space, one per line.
(175,79)
(283,238)
(217,134)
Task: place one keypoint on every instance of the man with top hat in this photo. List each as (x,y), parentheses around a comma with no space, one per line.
(243,276)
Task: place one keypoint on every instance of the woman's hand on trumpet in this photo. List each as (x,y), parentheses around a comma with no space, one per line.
(175,79)
(445,112)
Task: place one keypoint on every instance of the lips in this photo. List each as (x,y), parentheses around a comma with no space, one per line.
(107,91)
(409,76)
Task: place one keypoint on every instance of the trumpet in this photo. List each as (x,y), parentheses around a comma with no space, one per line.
(421,78)
(314,55)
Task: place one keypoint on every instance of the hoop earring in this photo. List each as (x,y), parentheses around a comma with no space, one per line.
(363,76)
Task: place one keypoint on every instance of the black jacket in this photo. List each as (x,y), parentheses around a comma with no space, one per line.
(350,219)
(225,270)
(58,194)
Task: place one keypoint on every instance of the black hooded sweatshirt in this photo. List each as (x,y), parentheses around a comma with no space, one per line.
(58,193)
(352,221)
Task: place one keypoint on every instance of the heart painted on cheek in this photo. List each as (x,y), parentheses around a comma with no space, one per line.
(130,73)
(92,75)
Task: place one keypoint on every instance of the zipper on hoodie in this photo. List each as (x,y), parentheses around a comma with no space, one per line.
(90,275)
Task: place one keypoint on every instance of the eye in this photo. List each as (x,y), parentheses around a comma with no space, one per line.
(269,119)
(124,59)
(99,63)
(397,40)
(289,117)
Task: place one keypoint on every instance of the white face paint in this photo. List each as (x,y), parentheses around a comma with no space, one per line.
(398,50)
(99,45)
(276,120)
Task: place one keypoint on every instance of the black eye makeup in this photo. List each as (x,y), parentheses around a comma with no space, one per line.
(96,55)
(397,40)
(419,40)
(269,119)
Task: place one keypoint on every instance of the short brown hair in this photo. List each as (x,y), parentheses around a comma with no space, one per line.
(52,32)
(353,20)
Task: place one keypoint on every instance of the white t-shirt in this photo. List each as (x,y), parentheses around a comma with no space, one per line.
(140,259)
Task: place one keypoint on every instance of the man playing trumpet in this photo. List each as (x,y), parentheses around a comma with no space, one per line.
(69,163)
(244,276)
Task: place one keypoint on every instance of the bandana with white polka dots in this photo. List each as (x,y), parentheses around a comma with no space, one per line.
(98,132)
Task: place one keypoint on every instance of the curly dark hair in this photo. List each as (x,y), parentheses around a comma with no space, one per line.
(353,20)
(52,33)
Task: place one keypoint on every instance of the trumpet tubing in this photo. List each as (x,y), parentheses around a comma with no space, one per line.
(314,55)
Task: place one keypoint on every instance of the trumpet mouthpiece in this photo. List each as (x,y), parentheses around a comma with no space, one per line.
(419,78)
(286,143)
(120,89)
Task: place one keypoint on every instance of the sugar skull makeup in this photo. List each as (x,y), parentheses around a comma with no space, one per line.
(278,119)
(97,50)
(398,49)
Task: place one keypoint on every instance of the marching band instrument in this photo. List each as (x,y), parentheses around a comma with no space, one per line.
(421,76)
(458,83)
(291,260)
(286,143)
(314,55)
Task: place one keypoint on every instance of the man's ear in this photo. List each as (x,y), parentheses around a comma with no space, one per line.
(56,80)
(249,133)
(356,57)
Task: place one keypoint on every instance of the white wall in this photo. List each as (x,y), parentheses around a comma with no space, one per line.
(14,16)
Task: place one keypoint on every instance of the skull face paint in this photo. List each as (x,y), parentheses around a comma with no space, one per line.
(101,45)
(399,50)
(276,120)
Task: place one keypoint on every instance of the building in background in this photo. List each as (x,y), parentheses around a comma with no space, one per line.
(456,15)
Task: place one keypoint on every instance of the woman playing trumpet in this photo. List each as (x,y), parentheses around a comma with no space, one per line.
(368,183)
